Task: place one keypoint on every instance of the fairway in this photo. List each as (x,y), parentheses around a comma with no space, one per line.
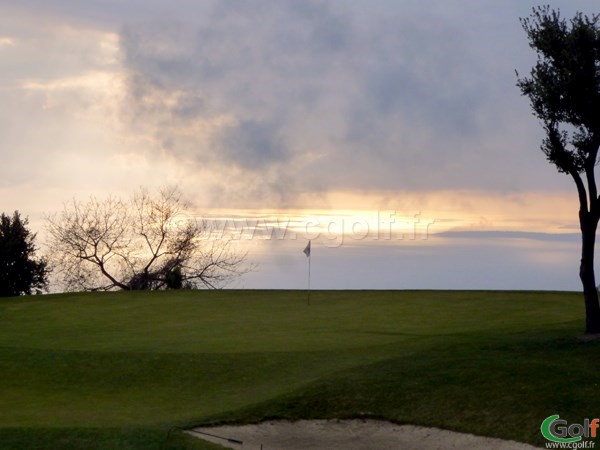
(118,370)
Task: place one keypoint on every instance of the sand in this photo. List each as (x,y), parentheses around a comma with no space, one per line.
(349,435)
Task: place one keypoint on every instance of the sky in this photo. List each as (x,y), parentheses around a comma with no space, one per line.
(337,111)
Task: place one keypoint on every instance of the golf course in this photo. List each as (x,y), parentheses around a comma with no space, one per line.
(120,370)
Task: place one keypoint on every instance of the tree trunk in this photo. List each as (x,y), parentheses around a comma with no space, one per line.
(589,223)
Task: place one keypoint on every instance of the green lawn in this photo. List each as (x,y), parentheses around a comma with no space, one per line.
(118,370)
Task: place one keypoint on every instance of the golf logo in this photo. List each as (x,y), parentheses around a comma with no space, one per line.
(560,434)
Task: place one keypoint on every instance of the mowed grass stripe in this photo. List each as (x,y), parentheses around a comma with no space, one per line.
(239,321)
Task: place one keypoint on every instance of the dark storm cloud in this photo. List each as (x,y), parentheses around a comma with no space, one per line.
(419,70)
(251,144)
(268,66)
(323,95)
(358,93)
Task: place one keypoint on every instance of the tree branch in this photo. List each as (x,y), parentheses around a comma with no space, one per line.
(583,201)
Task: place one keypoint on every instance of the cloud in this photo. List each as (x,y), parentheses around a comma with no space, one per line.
(60,123)
(251,144)
(537,236)
(326,95)
(267,102)
(7,42)
(291,76)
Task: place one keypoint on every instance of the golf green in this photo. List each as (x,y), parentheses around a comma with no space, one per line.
(118,370)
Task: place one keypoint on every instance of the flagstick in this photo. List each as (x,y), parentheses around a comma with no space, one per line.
(308,292)
(307,253)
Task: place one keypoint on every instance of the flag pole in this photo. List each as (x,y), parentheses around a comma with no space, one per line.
(307,253)
(308,296)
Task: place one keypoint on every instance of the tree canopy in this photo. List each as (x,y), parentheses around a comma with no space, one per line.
(20,272)
(564,86)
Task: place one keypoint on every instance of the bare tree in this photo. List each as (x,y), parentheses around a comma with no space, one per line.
(148,242)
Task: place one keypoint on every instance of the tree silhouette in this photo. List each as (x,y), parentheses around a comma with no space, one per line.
(147,242)
(20,273)
(564,92)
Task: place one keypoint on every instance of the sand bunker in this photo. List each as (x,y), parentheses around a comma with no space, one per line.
(348,435)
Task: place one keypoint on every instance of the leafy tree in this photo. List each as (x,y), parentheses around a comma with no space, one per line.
(147,242)
(564,91)
(20,272)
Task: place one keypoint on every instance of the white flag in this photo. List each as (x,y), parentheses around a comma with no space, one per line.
(307,250)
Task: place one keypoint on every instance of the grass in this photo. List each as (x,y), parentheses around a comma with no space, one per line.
(118,370)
